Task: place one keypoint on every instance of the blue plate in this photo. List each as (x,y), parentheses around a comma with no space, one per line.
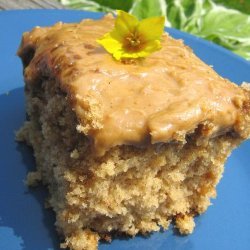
(25,224)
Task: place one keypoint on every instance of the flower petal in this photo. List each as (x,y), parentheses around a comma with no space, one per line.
(109,43)
(124,24)
(152,46)
(139,54)
(144,36)
(118,54)
(152,28)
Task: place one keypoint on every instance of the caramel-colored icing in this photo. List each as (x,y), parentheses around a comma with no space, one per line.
(158,99)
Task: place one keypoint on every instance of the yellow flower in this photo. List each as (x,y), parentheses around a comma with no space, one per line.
(131,38)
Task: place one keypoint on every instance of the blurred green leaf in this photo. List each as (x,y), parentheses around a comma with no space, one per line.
(241,5)
(227,27)
(116,4)
(148,8)
(85,5)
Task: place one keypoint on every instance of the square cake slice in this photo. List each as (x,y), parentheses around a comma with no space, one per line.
(125,147)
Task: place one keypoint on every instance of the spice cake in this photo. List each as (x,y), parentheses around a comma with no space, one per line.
(125,146)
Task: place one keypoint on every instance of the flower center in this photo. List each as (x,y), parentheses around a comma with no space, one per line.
(133,42)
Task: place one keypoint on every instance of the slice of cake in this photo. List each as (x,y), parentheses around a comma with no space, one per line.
(125,146)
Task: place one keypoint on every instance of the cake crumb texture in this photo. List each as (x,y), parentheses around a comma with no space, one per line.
(185,224)
(33,178)
(82,240)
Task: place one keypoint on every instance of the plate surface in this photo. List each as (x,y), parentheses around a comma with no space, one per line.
(25,224)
